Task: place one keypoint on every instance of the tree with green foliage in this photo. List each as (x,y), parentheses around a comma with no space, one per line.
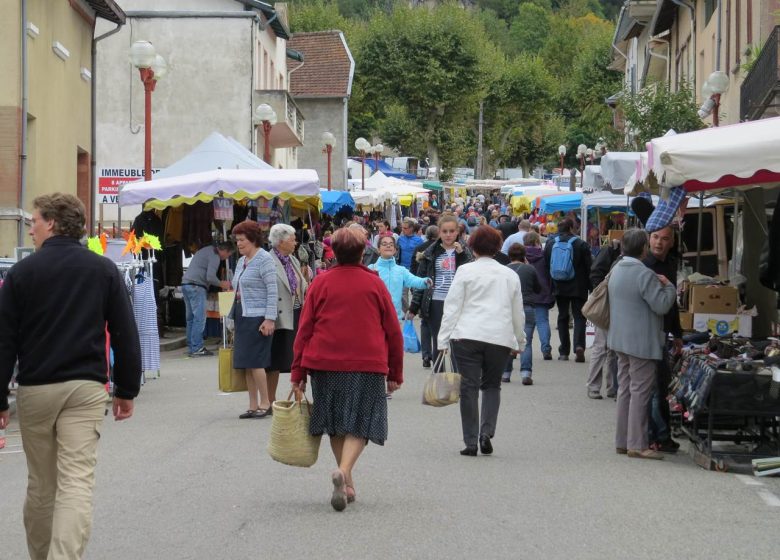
(530,28)
(653,111)
(436,63)
(517,111)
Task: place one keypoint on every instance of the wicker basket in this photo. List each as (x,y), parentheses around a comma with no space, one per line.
(290,441)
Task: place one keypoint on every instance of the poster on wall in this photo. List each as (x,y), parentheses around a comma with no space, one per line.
(109,179)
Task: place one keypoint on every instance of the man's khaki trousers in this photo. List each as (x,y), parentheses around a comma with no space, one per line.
(60,426)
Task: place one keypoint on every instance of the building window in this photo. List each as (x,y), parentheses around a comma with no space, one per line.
(709,9)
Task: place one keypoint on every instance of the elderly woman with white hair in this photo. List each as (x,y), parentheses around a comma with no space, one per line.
(291,287)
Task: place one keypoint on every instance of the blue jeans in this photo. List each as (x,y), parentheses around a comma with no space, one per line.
(542,313)
(195,304)
(527,357)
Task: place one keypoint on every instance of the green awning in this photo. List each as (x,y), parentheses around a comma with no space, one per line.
(432,185)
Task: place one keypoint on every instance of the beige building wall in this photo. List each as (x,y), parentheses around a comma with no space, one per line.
(58,119)
(744,23)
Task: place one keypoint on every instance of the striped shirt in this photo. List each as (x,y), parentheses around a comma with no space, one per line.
(445,272)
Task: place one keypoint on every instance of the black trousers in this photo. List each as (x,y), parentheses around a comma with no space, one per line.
(480,365)
(434,325)
(575,304)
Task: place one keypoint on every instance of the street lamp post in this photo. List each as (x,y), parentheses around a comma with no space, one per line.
(378,149)
(561,152)
(151,67)
(362,146)
(581,151)
(718,83)
(267,117)
(589,152)
(329,140)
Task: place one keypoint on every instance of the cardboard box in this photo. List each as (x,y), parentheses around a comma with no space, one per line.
(723,324)
(686,320)
(713,299)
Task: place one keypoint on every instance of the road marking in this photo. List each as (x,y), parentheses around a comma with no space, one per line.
(749,480)
(769,499)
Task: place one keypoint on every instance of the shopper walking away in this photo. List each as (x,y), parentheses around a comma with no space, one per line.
(638,300)
(55,306)
(531,287)
(439,263)
(254,314)
(603,361)
(483,323)
(200,275)
(291,288)
(568,259)
(519,237)
(545,300)
(349,382)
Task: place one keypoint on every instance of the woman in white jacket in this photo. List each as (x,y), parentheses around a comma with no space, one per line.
(483,322)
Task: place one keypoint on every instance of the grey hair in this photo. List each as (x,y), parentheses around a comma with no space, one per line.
(410,222)
(634,242)
(525,225)
(431,233)
(279,233)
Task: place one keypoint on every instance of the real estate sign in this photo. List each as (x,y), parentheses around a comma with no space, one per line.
(110,179)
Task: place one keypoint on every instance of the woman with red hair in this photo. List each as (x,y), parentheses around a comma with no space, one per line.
(349,387)
(483,322)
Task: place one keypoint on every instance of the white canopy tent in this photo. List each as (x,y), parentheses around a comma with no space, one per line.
(296,185)
(744,154)
(618,168)
(593,180)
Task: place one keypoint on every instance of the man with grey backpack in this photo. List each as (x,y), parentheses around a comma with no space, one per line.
(569,259)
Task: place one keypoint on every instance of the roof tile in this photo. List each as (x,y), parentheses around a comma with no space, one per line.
(326,68)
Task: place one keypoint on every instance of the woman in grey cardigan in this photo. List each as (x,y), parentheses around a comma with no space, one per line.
(638,300)
(255,315)
(291,288)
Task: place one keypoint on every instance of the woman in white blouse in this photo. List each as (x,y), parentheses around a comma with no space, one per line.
(483,323)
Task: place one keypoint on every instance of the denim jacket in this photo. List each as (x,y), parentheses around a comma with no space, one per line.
(257,285)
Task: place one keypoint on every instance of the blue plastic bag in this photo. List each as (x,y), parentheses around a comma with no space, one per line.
(411,342)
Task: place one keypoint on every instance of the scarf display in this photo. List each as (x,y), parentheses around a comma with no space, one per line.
(289,269)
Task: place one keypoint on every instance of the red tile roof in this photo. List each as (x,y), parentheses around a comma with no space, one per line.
(327,67)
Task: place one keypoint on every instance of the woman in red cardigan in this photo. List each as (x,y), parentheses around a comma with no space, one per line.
(349,380)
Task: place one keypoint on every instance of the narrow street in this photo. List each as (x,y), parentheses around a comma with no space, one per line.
(185,479)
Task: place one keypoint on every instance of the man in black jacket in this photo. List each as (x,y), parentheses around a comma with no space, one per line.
(571,294)
(662,262)
(55,306)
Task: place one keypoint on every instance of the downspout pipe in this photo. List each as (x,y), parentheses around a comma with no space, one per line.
(692,8)
(614,37)
(22,198)
(93,116)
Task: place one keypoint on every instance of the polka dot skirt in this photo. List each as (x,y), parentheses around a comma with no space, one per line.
(349,403)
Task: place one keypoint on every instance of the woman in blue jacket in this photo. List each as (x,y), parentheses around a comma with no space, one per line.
(395,276)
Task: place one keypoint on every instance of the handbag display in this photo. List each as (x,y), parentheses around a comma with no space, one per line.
(290,442)
(231,380)
(596,309)
(441,388)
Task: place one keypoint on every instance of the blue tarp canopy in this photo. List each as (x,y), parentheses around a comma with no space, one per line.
(559,203)
(333,201)
(387,170)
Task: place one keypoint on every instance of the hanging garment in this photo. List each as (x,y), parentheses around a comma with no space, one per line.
(663,215)
(145,311)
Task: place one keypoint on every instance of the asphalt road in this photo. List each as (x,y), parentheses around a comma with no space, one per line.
(186,479)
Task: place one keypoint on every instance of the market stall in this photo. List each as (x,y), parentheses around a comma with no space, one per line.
(334,201)
(726,386)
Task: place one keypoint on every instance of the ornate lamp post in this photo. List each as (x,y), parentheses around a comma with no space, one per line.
(267,117)
(561,152)
(362,146)
(377,151)
(718,84)
(329,140)
(151,67)
(582,149)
